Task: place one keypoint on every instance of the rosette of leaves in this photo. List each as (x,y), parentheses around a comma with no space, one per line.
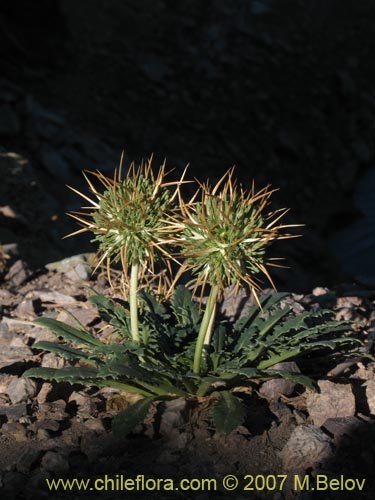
(130,220)
(223,240)
(161,366)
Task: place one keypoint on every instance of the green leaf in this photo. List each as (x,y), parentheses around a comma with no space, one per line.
(295,377)
(186,311)
(67,374)
(228,412)
(65,351)
(125,421)
(245,372)
(68,332)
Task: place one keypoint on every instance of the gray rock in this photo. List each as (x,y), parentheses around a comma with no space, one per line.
(334,400)
(18,273)
(172,417)
(84,316)
(70,263)
(55,297)
(273,389)
(86,405)
(307,446)
(55,462)
(21,389)
(14,412)
(51,360)
(26,309)
(28,459)
(12,349)
(79,273)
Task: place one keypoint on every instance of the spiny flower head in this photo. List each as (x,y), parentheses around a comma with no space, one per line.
(225,234)
(130,218)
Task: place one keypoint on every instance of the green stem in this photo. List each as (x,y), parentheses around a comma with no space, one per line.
(134,303)
(205,331)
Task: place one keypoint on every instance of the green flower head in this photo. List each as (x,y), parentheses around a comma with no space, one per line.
(225,234)
(130,218)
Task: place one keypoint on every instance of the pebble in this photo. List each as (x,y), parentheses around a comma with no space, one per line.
(333,400)
(14,412)
(306,446)
(85,403)
(21,390)
(28,458)
(52,360)
(18,273)
(55,297)
(273,389)
(53,461)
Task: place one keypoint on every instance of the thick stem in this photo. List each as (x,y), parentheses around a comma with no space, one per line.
(205,331)
(134,303)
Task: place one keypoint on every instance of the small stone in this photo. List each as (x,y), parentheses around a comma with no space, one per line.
(95,424)
(334,400)
(5,380)
(55,462)
(44,392)
(48,425)
(51,360)
(84,402)
(26,310)
(18,273)
(55,297)
(341,426)
(14,412)
(273,389)
(172,417)
(17,430)
(39,333)
(81,272)
(28,459)
(43,435)
(53,411)
(12,349)
(21,389)
(319,290)
(306,446)
(84,316)
(70,263)
(349,301)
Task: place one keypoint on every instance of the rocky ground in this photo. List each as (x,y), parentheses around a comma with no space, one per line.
(282,89)
(51,430)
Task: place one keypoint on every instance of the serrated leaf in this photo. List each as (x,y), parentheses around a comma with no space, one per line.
(68,332)
(64,350)
(66,374)
(295,377)
(185,310)
(228,412)
(245,372)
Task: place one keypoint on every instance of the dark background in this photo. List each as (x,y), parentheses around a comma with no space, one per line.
(283,89)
